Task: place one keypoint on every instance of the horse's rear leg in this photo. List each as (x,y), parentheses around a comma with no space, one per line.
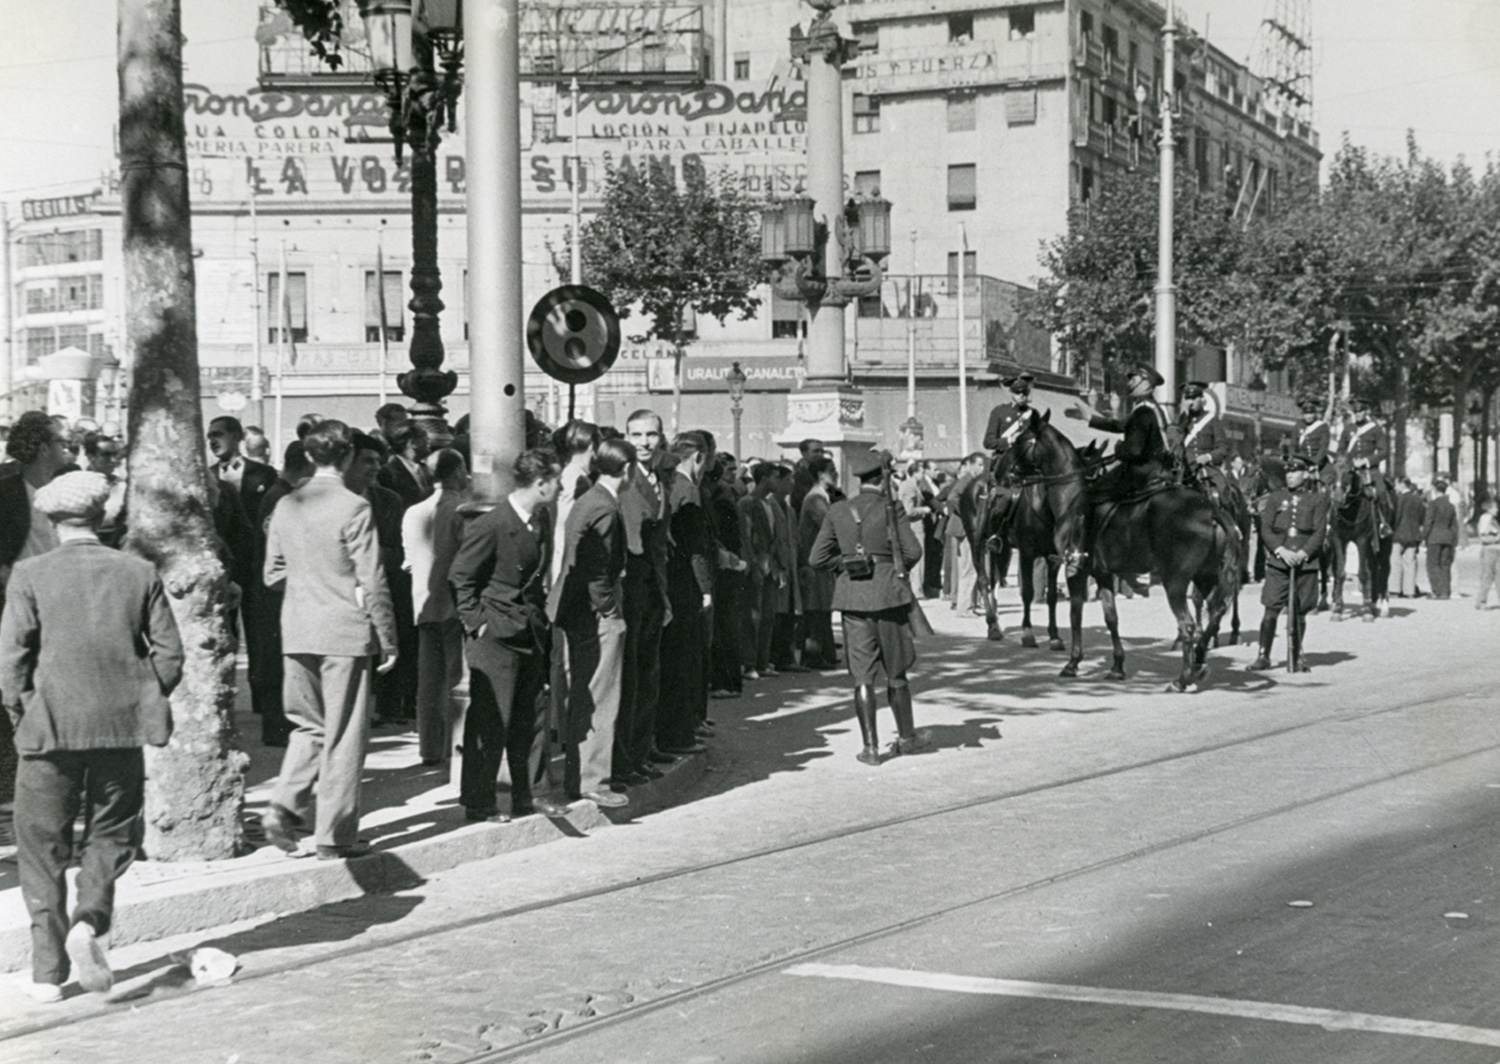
(992,577)
(1187,636)
(1054,640)
(1078,593)
(1028,596)
(1112,622)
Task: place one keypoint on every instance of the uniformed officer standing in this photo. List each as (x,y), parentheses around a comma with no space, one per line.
(1205,444)
(874,600)
(1367,448)
(1293,521)
(1007,419)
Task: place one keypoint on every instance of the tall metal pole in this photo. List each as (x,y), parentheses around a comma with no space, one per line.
(497,391)
(825,184)
(911,335)
(7,351)
(257,388)
(1166,291)
(963,348)
(575,250)
(739,454)
(284,316)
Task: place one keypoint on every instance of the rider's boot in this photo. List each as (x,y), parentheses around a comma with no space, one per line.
(1267,637)
(909,739)
(864,709)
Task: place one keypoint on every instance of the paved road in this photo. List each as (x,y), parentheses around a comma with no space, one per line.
(1140,849)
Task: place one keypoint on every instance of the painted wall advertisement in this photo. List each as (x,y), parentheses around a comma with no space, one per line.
(311,144)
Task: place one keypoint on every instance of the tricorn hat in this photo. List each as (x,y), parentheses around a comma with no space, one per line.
(863,463)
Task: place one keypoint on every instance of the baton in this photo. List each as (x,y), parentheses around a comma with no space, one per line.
(1292,647)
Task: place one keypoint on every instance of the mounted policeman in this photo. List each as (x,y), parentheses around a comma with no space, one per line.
(1367,448)
(1145,455)
(1315,439)
(1205,444)
(1009,418)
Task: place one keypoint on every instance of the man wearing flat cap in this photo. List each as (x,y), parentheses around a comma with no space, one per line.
(1205,444)
(1008,419)
(1293,521)
(874,599)
(1143,452)
(89,653)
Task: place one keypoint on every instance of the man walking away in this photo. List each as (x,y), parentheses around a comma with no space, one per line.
(89,653)
(1440,533)
(1411,512)
(335,615)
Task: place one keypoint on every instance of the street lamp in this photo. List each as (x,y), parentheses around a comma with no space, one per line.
(1257,389)
(409,40)
(735,379)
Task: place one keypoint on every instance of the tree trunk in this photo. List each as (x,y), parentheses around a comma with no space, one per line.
(195,784)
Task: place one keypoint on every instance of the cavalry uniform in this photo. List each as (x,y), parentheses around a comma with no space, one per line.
(1203,436)
(1316,438)
(1367,447)
(1297,520)
(874,599)
(1143,452)
(1008,419)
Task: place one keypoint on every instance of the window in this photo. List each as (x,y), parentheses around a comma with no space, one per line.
(296,306)
(867,38)
(1020,107)
(80,293)
(867,183)
(73,336)
(41,297)
(1200,160)
(1085,24)
(53,249)
(1135,59)
(786,319)
(1112,41)
(395,325)
(971,271)
(1111,111)
(866,113)
(1086,184)
(962,180)
(741,66)
(1022,24)
(654,56)
(960,112)
(960,28)
(39,343)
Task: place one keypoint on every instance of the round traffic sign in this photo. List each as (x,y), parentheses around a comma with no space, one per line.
(573,334)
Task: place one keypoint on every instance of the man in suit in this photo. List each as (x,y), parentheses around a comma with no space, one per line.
(89,652)
(431,532)
(251,480)
(404,472)
(37,450)
(817,585)
(586,607)
(802,476)
(1440,533)
(499,579)
(336,616)
(789,593)
(395,692)
(643,508)
(764,579)
(874,601)
(956,534)
(296,470)
(690,582)
(1411,512)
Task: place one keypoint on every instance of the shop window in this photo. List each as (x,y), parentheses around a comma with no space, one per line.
(395,322)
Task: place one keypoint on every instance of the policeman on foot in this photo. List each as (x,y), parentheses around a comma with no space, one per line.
(874,600)
(1293,522)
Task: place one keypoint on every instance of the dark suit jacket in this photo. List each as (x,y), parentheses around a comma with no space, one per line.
(693,550)
(1440,526)
(588,584)
(15,512)
(499,577)
(89,651)
(1145,439)
(1411,512)
(755,536)
(644,515)
(394,476)
(256,479)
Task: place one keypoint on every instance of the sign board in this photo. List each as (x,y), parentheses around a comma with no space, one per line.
(700,373)
(35,210)
(953,66)
(573,334)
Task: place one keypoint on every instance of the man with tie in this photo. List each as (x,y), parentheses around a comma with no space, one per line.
(643,508)
(585,605)
(258,612)
(499,580)
(764,580)
(404,472)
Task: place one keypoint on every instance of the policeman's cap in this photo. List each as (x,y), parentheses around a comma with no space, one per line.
(1148,372)
(864,463)
(1299,463)
(1020,383)
(1194,390)
(1356,403)
(1311,406)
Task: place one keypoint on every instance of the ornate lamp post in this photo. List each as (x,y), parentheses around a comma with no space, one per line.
(735,379)
(824,253)
(1257,389)
(417,52)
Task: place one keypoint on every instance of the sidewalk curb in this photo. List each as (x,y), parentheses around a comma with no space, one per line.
(267,883)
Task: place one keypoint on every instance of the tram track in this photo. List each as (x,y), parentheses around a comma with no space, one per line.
(647,1007)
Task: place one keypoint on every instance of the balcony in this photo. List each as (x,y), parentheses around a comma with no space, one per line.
(925,309)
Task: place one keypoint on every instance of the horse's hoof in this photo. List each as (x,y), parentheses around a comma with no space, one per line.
(1057,644)
(1069,670)
(1336,616)
(995,635)
(1199,674)
(1369,618)
(1029,640)
(1115,674)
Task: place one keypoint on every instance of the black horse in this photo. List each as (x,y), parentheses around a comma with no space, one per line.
(1173,533)
(984,506)
(1354,519)
(1231,502)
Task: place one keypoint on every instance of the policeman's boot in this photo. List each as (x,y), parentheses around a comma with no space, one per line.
(864,709)
(1299,662)
(1267,637)
(909,740)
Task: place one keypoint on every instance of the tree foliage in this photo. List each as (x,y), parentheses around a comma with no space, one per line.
(661,245)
